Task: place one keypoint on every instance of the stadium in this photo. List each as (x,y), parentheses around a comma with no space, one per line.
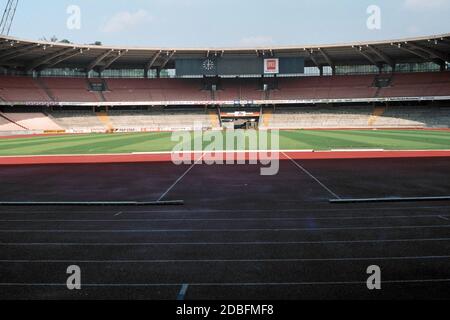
(88,178)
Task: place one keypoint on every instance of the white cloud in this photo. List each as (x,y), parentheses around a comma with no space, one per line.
(256,41)
(125,20)
(425,4)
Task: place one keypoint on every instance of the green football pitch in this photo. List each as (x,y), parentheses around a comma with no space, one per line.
(162,142)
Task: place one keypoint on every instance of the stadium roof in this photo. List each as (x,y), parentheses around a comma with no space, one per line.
(37,55)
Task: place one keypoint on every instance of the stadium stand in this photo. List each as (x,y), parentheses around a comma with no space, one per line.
(332,87)
(155,90)
(160,120)
(239,89)
(130,121)
(7,126)
(77,120)
(22,89)
(356,117)
(33,121)
(69,89)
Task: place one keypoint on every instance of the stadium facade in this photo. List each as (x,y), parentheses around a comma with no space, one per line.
(361,84)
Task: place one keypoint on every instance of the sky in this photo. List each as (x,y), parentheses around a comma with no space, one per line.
(227,23)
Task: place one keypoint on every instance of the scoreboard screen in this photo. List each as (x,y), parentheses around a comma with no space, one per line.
(224,66)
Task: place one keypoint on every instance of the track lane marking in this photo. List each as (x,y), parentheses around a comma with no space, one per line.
(230,284)
(181,177)
(176,211)
(228,219)
(6,261)
(228,230)
(312,176)
(257,243)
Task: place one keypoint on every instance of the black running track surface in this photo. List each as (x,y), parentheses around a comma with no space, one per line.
(239,235)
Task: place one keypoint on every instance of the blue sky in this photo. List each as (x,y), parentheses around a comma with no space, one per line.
(197,23)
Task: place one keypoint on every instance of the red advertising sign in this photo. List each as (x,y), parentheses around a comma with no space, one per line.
(272,66)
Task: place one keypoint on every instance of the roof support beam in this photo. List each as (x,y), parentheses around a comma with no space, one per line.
(327,58)
(33,65)
(56,61)
(384,57)
(170,55)
(367,56)
(432,52)
(329,61)
(311,56)
(419,54)
(6,44)
(97,60)
(109,62)
(15,52)
(152,61)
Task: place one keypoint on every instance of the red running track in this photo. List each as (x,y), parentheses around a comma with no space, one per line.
(167,157)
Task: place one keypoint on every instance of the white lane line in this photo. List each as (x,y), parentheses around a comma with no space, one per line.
(228,230)
(312,176)
(230,284)
(181,177)
(256,243)
(229,260)
(116,215)
(182,293)
(177,211)
(444,218)
(227,219)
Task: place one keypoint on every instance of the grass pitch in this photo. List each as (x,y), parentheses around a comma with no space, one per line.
(319,140)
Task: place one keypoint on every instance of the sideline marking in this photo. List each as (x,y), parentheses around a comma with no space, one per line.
(391,199)
(181,177)
(259,243)
(222,230)
(312,176)
(92,204)
(237,284)
(227,260)
(226,219)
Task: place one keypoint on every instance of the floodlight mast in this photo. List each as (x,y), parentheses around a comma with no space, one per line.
(8,17)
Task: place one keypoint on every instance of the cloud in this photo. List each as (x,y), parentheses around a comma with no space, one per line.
(425,4)
(256,41)
(126,20)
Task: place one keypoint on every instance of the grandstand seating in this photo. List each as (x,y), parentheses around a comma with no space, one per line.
(6,125)
(23,89)
(159,120)
(132,120)
(77,120)
(70,89)
(280,118)
(357,117)
(33,121)
(155,90)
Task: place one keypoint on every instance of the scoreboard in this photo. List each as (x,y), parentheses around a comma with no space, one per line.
(230,66)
